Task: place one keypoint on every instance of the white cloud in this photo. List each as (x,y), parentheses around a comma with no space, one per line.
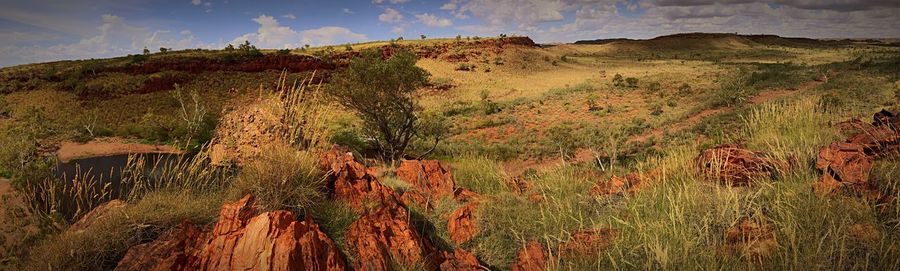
(448,6)
(433,21)
(390,16)
(273,35)
(347,11)
(196,2)
(289,16)
(397,30)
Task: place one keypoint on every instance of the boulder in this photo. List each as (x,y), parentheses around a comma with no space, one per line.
(533,257)
(333,159)
(877,141)
(460,260)
(731,164)
(429,176)
(385,237)
(465,195)
(587,242)
(886,118)
(355,185)
(462,224)
(843,164)
(240,240)
(171,251)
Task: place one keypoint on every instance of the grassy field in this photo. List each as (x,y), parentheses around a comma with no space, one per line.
(560,117)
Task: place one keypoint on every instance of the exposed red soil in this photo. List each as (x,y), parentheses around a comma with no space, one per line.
(586,243)
(750,239)
(533,257)
(618,185)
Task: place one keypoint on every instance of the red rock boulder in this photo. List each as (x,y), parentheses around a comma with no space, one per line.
(171,251)
(460,260)
(886,118)
(90,218)
(750,239)
(533,257)
(462,224)
(734,165)
(843,164)
(385,237)
(429,176)
(617,185)
(355,185)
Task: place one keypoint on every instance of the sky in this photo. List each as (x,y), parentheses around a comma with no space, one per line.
(48,30)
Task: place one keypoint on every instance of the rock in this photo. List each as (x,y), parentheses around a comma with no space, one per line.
(354,184)
(751,239)
(415,197)
(733,165)
(886,118)
(877,141)
(96,214)
(240,240)
(384,237)
(171,251)
(617,185)
(843,164)
(587,242)
(333,159)
(460,260)
(239,133)
(533,257)
(462,224)
(465,195)
(519,185)
(429,176)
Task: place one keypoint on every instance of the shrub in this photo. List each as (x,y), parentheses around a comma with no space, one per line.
(685,90)
(380,92)
(631,82)
(488,106)
(282,178)
(618,80)
(465,67)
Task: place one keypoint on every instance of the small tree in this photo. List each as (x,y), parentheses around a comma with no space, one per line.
(229,47)
(146,51)
(163,49)
(618,80)
(422,36)
(380,92)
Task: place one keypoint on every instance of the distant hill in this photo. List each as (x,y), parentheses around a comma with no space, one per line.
(699,41)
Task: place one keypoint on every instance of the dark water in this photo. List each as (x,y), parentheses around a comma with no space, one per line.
(108,169)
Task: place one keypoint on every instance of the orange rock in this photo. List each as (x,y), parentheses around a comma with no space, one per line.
(460,260)
(462,224)
(465,195)
(240,240)
(533,257)
(877,141)
(354,184)
(385,236)
(843,164)
(171,251)
(429,176)
(733,165)
(415,197)
(587,242)
(333,159)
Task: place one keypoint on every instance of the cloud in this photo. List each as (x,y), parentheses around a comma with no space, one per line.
(289,16)
(114,37)
(271,34)
(398,30)
(525,13)
(433,21)
(347,11)
(196,2)
(390,16)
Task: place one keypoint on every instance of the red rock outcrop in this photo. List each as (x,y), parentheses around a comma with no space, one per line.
(460,260)
(533,257)
(587,242)
(462,224)
(240,240)
(843,164)
(355,185)
(886,118)
(734,165)
(429,176)
(385,237)
(171,251)
(335,158)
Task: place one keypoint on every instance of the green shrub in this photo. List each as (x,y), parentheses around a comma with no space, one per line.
(631,82)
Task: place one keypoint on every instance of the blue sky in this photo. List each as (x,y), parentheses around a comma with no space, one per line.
(46,30)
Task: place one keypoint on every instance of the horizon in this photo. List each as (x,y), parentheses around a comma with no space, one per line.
(44,30)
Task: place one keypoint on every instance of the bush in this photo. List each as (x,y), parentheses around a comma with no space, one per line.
(465,67)
(631,82)
(685,90)
(380,92)
(282,178)
(618,80)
